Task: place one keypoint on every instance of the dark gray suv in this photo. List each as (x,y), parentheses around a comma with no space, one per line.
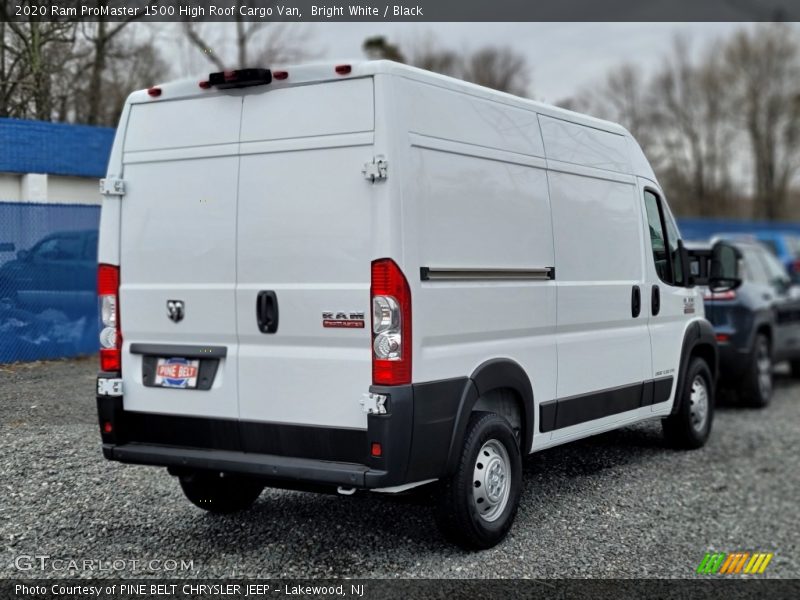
(756,325)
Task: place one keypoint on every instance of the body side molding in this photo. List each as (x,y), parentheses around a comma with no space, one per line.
(574,410)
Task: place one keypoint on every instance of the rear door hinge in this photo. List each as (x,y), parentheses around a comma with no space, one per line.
(377,169)
(112,187)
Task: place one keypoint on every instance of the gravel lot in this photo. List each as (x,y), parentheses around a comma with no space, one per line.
(616,505)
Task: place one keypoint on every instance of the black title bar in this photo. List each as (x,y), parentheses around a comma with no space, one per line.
(402,10)
(708,588)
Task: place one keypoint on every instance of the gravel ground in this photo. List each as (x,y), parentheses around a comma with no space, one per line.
(615,505)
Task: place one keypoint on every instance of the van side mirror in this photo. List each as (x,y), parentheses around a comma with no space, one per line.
(717,267)
(723,273)
(684,257)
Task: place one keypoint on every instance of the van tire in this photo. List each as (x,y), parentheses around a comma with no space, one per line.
(458,497)
(756,389)
(221,495)
(690,427)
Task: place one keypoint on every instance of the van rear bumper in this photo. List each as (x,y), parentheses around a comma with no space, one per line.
(280,468)
(416,437)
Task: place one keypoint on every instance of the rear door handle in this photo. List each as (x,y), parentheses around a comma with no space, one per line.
(267,311)
(636,301)
(655,300)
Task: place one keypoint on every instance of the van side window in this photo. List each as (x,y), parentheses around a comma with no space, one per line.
(663,239)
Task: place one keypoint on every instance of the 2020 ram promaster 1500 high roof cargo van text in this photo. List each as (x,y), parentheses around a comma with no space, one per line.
(372,277)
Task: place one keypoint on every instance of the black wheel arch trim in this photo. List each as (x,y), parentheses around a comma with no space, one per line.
(498,373)
(698,333)
(764,321)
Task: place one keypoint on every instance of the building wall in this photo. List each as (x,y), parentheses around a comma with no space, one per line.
(9,187)
(49,189)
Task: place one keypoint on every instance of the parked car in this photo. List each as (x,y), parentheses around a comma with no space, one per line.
(58,272)
(785,246)
(756,325)
(373,277)
(48,298)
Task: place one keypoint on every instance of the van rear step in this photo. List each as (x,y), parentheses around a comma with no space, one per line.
(268,466)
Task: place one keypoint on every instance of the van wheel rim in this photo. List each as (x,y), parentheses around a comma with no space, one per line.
(698,403)
(764,367)
(491,485)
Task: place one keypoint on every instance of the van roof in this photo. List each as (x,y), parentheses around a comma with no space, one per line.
(326,71)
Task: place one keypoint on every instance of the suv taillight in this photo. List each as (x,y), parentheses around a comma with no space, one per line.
(715,296)
(110,336)
(391,324)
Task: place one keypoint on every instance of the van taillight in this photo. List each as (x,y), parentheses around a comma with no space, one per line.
(110,336)
(391,324)
(728,295)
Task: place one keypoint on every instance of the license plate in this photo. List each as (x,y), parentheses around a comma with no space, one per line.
(177,373)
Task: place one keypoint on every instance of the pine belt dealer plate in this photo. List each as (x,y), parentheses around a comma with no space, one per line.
(177,373)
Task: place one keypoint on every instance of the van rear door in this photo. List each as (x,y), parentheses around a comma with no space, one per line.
(304,249)
(178,246)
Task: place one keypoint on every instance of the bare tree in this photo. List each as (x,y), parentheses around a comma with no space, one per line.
(139,67)
(100,35)
(692,116)
(427,54)
(254,43)
(763,68)
(497,67)
(33,52)
(623,97)
(11,72)
(681,116)
(69,71)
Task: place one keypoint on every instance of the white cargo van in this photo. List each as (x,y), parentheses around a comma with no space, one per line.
(371,277)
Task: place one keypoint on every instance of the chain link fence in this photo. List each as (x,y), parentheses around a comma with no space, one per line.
(48,266)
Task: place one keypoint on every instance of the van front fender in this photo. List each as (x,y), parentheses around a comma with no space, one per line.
(698,340)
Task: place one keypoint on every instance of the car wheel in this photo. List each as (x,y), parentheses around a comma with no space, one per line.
(757,384)
(217,494)
(477,504)
(690,427)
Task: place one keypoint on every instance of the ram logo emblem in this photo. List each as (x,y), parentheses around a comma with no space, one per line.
(175,310)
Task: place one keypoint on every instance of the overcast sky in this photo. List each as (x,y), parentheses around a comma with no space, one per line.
(564,57)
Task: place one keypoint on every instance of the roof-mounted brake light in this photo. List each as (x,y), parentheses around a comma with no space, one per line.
(239,78)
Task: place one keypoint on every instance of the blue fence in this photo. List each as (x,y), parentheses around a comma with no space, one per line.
(48,266)
(702,229)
